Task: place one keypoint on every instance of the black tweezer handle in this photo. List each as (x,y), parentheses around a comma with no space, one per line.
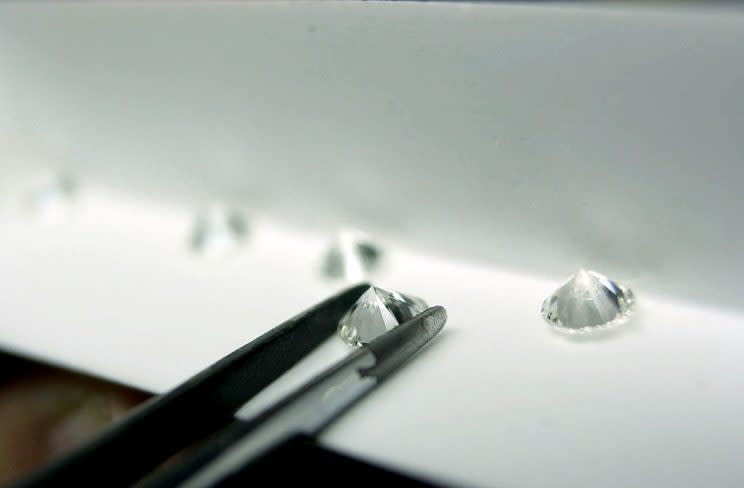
(198,456)
(308,409)
(202,405)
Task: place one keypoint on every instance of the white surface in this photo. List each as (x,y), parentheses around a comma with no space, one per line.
(536,138)
(497,399)
(522,142)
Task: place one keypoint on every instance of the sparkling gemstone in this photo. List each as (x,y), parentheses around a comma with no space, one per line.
(218,231)
(52,199)
(587,301)
(377,311)
(351,257)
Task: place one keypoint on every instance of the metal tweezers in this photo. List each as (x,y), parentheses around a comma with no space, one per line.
(204,406)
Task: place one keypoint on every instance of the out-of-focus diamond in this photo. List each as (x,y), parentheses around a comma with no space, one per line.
(52,199)
(377,311)
(218,231)
(352,257)
(587,301)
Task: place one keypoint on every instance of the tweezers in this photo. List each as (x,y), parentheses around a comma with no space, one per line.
(204,406)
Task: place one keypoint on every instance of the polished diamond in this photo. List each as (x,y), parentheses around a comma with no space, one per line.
(218,231)
(377,311)
(587,301)
(351,257)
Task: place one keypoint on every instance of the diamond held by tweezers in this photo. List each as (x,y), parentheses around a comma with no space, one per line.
(588,301)
(377,311)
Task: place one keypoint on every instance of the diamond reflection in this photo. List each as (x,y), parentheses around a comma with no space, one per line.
(587,301)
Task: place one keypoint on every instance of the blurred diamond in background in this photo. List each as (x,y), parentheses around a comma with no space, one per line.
(353,256)
(218,231)
(51,199)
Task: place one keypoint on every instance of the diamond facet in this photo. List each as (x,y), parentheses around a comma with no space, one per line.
(218,231)
(377,311)
(587,301)
(351,257)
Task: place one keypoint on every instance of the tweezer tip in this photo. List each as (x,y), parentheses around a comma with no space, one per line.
(394,347)
(422,328)
(432,321)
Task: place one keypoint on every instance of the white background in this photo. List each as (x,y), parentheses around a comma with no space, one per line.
(492,148)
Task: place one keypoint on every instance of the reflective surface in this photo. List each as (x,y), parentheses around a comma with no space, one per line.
(376,312)
(588,301)
(45,412)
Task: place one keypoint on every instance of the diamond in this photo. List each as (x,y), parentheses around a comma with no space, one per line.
(377,311)
(52,199)
(218,231)
(587,301)
(351,257)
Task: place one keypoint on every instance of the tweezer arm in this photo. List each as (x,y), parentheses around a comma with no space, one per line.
(317,404)
(307,413)
(201,405)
